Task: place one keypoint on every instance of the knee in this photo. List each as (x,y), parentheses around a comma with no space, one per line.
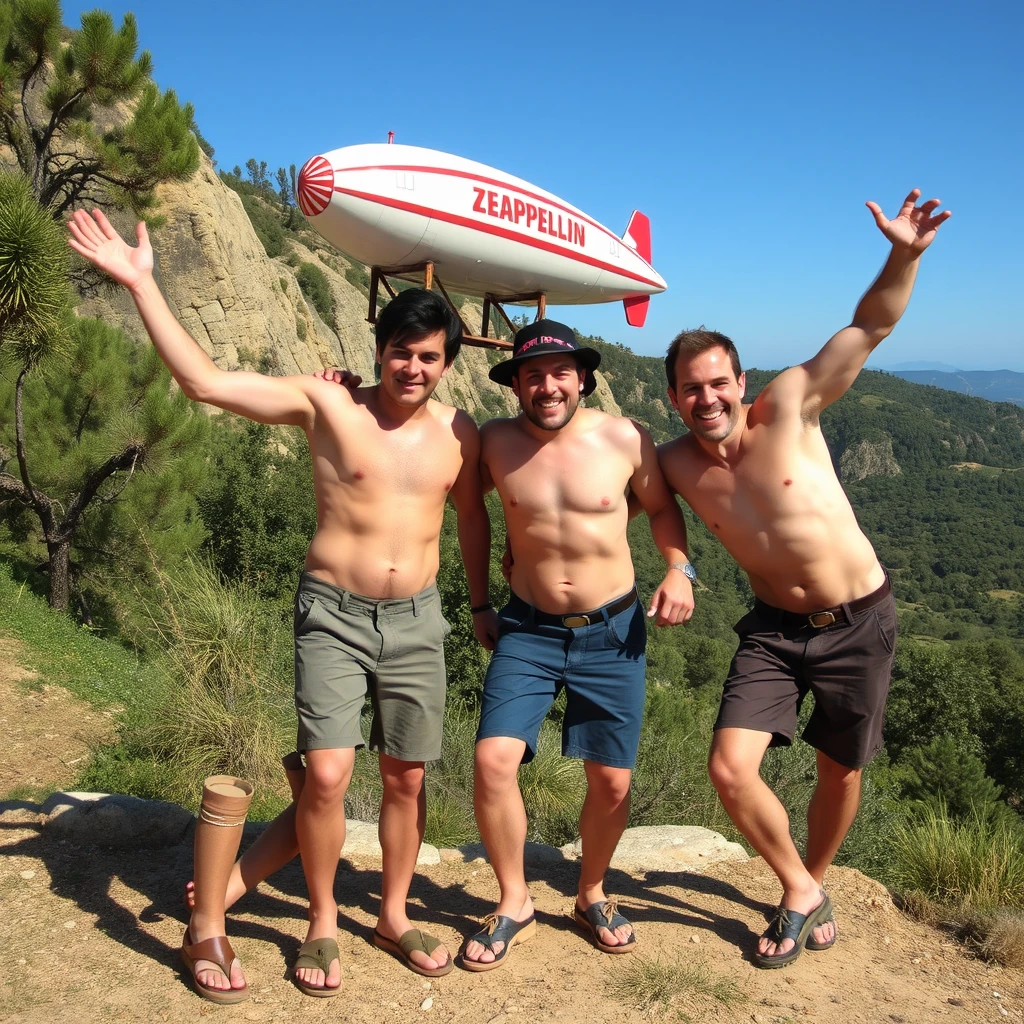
(495,766)
(837,777)
(610,785)
(729,775)
(326,780)
(403,783)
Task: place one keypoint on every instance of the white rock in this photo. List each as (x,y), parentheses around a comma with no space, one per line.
(361,841)
(671,848)
(112,819)
(534,853)
(27,875)
(427,1003)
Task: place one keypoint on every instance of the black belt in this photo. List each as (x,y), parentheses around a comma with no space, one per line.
(578,619)
(829,616)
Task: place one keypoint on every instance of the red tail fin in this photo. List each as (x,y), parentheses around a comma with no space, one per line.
(638,235)
(636,309)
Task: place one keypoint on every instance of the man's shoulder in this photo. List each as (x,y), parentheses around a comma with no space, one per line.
(498,426)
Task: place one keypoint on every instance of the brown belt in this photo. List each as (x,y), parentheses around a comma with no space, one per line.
(829,616)
(578,619)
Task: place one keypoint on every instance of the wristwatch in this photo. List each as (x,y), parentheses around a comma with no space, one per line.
(687,569)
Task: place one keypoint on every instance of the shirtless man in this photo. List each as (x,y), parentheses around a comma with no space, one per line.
(761,478)
(573,620)
(367,611)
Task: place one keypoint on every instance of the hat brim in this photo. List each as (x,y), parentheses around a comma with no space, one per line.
(588,358)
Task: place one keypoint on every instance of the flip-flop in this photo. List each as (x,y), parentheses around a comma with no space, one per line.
(413,940)
(788,924)
(317,954)
(604,914)
(499,929)
(817,947)
(217,951)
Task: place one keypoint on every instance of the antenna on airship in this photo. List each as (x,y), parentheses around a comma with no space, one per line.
(391,138)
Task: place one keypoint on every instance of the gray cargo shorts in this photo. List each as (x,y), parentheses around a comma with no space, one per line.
(346,645)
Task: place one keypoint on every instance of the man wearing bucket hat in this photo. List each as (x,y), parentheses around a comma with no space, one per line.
(573,621)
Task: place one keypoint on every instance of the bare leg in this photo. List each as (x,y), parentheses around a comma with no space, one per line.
(320,826)
(735,759)
(403,813)
(501,818)
(275,846)
(218,833)
(602,822)
(829,817)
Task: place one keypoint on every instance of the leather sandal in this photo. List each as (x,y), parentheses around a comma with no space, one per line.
(317,954)
(788,924)
(217,951)
(604,914)
(499,929)
(410,942)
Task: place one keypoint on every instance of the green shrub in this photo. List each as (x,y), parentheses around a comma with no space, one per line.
(266,222)
(317,289)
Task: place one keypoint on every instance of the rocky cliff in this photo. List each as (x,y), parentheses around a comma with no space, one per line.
(246,308)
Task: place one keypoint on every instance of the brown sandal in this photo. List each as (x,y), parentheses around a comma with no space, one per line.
(217,951)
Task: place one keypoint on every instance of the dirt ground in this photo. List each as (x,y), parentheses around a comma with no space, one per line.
(92,934)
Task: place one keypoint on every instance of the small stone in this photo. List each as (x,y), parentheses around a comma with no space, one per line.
(896,1018)
(28,874)
(695,939)
(997,995)
(427,1003)
(1004,1011)
(69,924)
(426,984)
(887,940)
(22,961)
(953,1001)
(916,960)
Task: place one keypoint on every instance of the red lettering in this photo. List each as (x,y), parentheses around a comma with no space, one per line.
(478,206)
(531,214)
(561,233)
(520,209)
(578,236)
(542,221)
(506,208)
(492,204)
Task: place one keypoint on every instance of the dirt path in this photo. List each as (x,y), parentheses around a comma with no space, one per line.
(92,934)
(46,731)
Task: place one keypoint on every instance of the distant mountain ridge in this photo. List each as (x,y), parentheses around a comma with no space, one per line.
(994,385)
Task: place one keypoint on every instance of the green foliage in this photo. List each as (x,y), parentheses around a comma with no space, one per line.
(266,223)
(317,289)
(34,293)
(109,397)
(68,89)
(654,985)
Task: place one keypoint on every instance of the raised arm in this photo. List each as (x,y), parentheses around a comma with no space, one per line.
(828,375)
(673,600)
(262,398)
(474,529)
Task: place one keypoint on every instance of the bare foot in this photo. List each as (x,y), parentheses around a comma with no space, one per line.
(619,936)
(478,952)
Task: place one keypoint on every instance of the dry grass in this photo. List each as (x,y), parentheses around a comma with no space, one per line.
(652,985)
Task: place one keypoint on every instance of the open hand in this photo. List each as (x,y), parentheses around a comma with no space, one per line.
(95,239)
(914,227)
(345,377)
(672,602)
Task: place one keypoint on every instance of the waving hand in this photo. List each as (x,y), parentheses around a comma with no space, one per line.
(95,239)
(914,227)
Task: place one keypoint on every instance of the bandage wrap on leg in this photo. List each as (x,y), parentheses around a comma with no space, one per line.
(226,801)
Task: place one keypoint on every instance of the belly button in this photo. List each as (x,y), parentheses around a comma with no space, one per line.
(513,502)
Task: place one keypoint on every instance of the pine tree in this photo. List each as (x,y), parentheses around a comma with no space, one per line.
(55,93)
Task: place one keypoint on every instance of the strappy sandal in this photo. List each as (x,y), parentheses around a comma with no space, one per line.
(499,929)
(410,942)
(217,951)
(788,924)
(317,954)
(817,947)
(604,914)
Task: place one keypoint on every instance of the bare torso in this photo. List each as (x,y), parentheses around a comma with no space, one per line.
(380,492)
(565,508)
(779,509)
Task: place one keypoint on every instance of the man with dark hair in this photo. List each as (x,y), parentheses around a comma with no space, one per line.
(573,621)
(824,621)
(367,611)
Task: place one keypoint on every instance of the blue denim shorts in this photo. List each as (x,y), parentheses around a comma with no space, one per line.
(601,666)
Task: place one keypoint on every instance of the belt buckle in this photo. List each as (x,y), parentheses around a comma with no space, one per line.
(819,620)
(575,621)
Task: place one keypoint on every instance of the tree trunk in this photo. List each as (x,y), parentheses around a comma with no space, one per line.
(60,574)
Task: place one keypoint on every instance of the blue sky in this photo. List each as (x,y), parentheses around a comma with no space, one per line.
(751,134)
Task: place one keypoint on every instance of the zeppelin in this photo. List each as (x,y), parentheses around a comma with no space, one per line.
(486,232)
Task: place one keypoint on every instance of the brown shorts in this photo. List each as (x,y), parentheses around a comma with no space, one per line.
(847,665)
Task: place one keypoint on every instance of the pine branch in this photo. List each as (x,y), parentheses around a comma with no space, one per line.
(124,460)
(42,504)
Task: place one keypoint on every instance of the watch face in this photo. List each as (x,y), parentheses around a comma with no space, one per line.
(690,573)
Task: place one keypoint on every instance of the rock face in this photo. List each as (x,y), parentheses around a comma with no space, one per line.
(868,458)
(246,309)
(671,848)
(361,841)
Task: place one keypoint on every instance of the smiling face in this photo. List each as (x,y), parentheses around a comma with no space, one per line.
(548,389)
(411,369)
(708,395)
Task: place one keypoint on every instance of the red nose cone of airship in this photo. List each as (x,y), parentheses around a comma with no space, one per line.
(315,186)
